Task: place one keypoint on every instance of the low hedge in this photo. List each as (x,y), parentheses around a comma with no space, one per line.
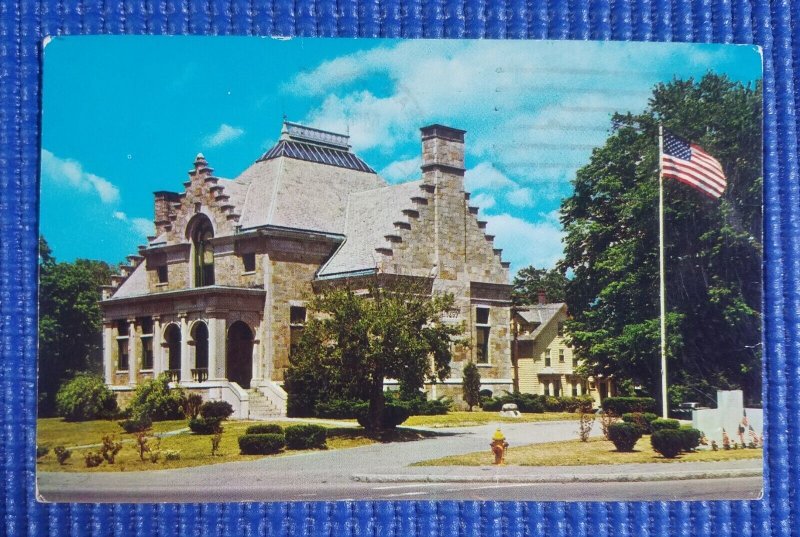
(337,409)
(306,436)
(624,435)
(665,423)
(264,428)
(203,425)
(667,442)
(136,424)
(623,405)
(261,444)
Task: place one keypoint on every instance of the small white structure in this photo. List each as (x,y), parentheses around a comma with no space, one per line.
(742,425)
(510,410)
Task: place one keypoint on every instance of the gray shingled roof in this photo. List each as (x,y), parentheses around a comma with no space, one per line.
(135,284)
(541,314)
(370,217)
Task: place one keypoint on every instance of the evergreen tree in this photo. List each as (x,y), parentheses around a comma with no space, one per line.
(713,247)
(471,385)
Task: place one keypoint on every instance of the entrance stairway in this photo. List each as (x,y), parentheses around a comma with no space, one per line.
(262,408)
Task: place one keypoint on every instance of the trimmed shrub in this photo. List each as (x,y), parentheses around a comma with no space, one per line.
(660,424)
(394,413)
(264,428)
(624,405)
(336,409)
(471,385)
(492,404)
(92,459)
(624,435)
(643,420)
(62,454)
(110,448)
(216,409)
(41,451)
(690,438)
(154,398)
(420,405)
(136,424)
(484,393)
(305,437)
(261,444)
(667,442)
(85,397)
(576,404)
(553,404)
(205,425)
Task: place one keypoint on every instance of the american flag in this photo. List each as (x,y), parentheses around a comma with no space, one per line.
(689,163)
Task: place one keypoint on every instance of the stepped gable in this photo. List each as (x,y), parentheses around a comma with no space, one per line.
(304,182)
(374,220)
(130,281)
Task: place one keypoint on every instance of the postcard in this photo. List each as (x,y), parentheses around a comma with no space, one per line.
(345,269)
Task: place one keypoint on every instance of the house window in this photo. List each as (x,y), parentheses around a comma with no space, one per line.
(163,274)
(146,323)
(561,356)
(482,328)
(122,345)
(574,389)
(297,323)
(560,329)
(249,262)
(547,360)
(202,234)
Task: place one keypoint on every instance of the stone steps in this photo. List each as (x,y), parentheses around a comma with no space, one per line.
(262,408)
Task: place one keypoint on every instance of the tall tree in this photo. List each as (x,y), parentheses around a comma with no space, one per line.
(530,281)
(471,385)
(70,321)
(353,342)
(713,247)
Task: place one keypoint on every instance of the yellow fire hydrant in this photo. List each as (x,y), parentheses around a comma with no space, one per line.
(499,447)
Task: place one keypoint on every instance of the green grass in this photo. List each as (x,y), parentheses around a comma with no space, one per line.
(195,450)
(577,453)
(479,417)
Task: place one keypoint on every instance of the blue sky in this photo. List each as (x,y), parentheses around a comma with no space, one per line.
(124,116)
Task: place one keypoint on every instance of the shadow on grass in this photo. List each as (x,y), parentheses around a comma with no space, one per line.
(401,434)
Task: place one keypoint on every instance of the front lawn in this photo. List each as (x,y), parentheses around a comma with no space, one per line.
(577,453)
(479,417)
(195,450)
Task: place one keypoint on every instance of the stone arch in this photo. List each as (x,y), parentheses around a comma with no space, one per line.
(239,354)
(199,335)
(172,342)
(200,232)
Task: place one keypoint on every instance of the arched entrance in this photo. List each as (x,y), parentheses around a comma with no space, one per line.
(172,340)
(200,339)
(201,232)
(239,354)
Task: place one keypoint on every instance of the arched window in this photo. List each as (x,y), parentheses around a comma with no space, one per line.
(200,339)
(172,341)
(203,251)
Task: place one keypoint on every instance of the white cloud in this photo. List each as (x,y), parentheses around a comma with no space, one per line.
(143,226)
(525,243)
(520,197)
(483,201)
(485,175)
(224,134)
(119,215)
(70,172)
(402,170)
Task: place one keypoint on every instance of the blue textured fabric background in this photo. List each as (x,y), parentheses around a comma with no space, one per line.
(23,24)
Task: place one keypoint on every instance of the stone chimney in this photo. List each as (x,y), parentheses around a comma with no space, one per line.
(164,202)
(443,178)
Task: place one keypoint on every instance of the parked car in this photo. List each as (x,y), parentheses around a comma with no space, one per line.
(684,410)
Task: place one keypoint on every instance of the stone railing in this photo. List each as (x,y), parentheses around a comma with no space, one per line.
(174,375)
(200,374)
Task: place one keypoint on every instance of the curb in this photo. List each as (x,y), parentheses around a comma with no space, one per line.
(558,478)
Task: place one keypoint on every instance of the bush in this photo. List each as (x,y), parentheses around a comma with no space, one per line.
(690,438)
(265,428)
(136,424)
(216,409)
(486,394)
(660,424)
(420,405)
(172,455)
(305,437)
(553,404)
(624,435)
(41,451)
(215,442)
(336,409)
(667,442)
(85,397)
(492,404)
(394,413)
(62,454)
(624,405)
(576,404)
(110,448)
(192,405)
(154,399)
(643,420)
(205,425)
(526,402)
(92,459)
(261,444)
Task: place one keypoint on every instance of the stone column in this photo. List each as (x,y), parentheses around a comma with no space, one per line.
(158,352)
(186,366)
(216,347)
(133,358)
(108,351)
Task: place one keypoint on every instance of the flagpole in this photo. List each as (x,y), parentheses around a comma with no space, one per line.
(661,272)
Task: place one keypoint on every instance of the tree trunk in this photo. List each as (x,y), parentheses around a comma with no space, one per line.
(377,402)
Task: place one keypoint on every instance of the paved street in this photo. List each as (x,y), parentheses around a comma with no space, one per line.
(323,475)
